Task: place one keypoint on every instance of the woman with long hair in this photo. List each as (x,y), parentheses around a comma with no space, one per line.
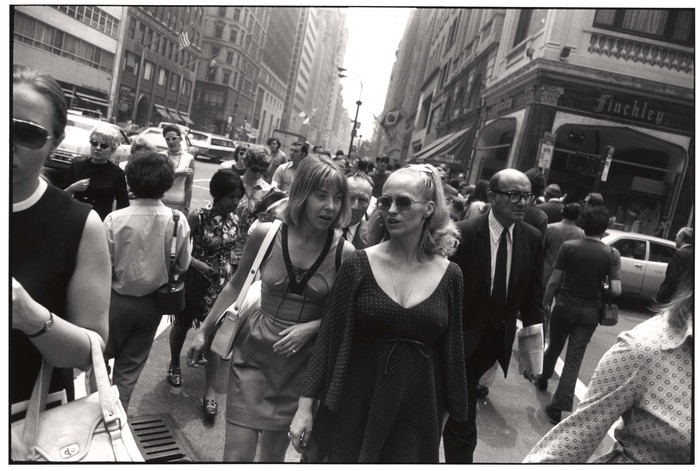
(388,365)
(274,342)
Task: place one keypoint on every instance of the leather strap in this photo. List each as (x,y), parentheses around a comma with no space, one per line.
(37,402)
(173,252)
(271,233)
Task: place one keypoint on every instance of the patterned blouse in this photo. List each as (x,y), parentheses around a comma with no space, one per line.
(244,211)
(646,379)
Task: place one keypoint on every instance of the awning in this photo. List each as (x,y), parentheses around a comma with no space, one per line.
(162,111)
(92,99)
(447,148)
(186,118)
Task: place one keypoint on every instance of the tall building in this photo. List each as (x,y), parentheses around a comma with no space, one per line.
(78,45)
(227,82)
(156,73)
(275,70)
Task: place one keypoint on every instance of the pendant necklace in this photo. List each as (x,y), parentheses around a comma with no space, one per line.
(393,282)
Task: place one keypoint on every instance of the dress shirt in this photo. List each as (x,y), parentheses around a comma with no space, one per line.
(139,239)
(495,229)
(351,231)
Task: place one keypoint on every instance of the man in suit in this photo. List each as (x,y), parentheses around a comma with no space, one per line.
(360,191)
(681,262)
(553,206)
(501,258)
(533,214)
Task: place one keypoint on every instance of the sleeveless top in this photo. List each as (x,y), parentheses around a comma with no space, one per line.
(283,298)
(176,194)
(45,241)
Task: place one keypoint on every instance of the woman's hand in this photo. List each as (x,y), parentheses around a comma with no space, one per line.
(295,337)
(302,423)
(196,351)
(188,172)
(27,315)
(80,185)
(203,268)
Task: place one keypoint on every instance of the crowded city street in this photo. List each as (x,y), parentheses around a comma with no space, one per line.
(351,235)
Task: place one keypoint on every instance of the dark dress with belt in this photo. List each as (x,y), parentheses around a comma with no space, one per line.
(45,241)
(386,375)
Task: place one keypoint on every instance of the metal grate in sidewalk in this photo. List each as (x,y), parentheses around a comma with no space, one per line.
(158,439)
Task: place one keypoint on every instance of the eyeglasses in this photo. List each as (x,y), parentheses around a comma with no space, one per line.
(173,138)
(101,145)
(515,196)
(403,203)
(28,134)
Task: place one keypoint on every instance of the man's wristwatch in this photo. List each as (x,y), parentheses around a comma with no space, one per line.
(47,325)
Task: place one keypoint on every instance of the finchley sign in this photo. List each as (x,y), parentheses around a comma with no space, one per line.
(607,104)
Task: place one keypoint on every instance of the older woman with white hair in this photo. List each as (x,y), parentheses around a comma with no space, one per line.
(97,181)
(388,364)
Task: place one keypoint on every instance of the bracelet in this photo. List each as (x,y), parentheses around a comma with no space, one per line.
(47,325)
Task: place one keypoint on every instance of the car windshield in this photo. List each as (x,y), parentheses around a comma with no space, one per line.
(195,136)
(79,125)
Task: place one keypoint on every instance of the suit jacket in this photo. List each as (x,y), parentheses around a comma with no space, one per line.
(553,210)
(537,219)
(525,289)
(359,240)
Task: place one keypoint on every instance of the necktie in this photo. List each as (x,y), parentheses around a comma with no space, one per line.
(498,293)
(346,231)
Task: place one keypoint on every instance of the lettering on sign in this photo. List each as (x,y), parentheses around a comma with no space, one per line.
(606,104)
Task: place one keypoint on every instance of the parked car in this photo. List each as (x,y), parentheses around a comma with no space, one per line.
(643,259)
(156,134)
(212,146)
(76,146)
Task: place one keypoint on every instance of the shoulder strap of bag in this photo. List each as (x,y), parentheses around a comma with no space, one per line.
(255,267)
(173,250)
(37,402)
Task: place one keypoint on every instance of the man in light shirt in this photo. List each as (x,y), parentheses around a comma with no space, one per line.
(284,174)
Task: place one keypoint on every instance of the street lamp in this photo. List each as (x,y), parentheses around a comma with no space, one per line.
(357,111)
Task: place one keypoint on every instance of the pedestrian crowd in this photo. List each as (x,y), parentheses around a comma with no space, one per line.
(386,299)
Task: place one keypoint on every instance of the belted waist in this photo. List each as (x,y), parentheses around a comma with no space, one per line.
(418,345)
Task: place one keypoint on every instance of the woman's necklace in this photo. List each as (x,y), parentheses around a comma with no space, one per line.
(393,282)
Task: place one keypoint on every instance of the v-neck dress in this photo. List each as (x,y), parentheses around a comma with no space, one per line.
(386,375)
(263,387)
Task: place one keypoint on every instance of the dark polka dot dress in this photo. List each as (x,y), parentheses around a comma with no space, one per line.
(386,375)
(646,380)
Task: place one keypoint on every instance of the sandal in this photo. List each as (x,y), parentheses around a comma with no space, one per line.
(209,406)
(174,377)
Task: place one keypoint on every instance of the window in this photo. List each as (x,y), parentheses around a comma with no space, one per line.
(131,62)
(229,57)
(162,76)
(233,36)
(174,79)
(523,27)
(236,14)
(186,87)
(93,17)
(226,78)
(218,31)
(147,70)
(222,12)
(661,253)
(677,26)
(631,248)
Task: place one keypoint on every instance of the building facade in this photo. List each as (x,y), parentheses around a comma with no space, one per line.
(157,75)
(78,45)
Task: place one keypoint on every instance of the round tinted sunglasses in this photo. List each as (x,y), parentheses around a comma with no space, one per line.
(28,134)
(102,145)
(403,203)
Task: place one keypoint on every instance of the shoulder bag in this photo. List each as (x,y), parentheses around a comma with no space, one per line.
(170,297)
(608,310)
(91,429)
(229,322)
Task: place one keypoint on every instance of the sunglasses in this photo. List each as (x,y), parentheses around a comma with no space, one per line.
(28,134)
(256,169)
(101,145)
(403,203)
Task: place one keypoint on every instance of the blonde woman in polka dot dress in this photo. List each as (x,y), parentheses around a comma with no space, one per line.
(646,379)
(388,364)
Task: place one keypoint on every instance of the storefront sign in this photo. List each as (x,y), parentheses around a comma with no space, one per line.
(546,148)
(607,104)
(609,151)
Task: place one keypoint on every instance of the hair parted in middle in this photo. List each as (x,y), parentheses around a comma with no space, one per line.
(315,172)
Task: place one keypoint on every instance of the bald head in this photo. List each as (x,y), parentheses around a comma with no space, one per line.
(505,187)
(360,191)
